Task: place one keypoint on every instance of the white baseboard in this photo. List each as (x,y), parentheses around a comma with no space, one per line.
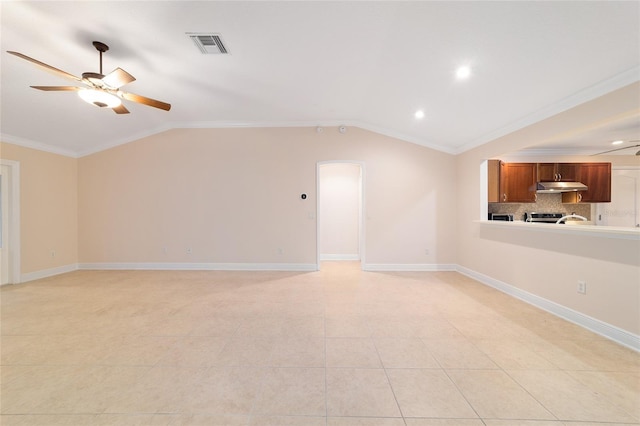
(160,266)
(408,267)
(602,328)
(45,273)
(339,257)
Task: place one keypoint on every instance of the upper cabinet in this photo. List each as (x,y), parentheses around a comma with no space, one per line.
(516,182)
(557,172)
(511,182)
(597,177)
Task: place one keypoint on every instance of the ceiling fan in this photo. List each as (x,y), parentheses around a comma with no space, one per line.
(101,90)
(621,148)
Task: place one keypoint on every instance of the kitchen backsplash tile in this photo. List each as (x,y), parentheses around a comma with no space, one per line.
(547,203)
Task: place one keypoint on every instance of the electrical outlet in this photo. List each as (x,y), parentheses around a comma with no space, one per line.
(582,287)
(280,251)
(426,251)
(53,253)
(189,250)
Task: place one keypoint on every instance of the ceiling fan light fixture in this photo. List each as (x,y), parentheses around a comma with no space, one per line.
(99,98)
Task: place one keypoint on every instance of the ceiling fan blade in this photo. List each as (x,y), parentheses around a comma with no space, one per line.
(118,78)
(618,149)
(56,88)
(121,109)
(146,101)
(48,67)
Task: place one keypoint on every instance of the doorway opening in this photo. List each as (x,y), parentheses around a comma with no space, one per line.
(624,208)
(9,222)
(340,211)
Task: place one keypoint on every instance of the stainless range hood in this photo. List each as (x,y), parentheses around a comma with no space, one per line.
(550,187)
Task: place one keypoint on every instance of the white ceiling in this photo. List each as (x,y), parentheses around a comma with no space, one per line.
(367,64)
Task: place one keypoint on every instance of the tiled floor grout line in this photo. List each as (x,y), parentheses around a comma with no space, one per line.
(326,386)
(358,302)
(386,373)
(530,394)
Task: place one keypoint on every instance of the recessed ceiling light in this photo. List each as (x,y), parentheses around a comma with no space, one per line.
(419,114)
(617,142)
(463,72)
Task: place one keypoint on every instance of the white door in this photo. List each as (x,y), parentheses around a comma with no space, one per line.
(624,208)
(4,225)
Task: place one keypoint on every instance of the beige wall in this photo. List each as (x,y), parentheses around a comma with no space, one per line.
(48,208)
(548,264)
(233,196)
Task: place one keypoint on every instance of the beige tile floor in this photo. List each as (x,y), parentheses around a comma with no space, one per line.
(334,348)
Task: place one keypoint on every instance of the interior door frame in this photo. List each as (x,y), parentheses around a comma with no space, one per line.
(361,220)
(14,219)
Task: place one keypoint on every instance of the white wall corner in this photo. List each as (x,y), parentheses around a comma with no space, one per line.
(597,326)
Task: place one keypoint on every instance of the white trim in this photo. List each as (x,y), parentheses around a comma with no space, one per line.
(403,137)
(46,273)
(602,88)
(219,125)
(339,257)
(549,152)
(264,124)
(408,267)
(14,220)
(40,146)
(602,328)
(161,266)
(594,91)
(125,140)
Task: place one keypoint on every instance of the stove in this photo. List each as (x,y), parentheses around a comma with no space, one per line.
(534,217)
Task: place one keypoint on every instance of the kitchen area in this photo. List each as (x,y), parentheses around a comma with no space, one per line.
(569,193)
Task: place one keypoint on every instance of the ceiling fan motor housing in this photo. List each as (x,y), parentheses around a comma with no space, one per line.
(100,46)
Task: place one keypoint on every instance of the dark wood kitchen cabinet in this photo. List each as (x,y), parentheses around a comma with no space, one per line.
(597,177)
(511,182)
(518,182)
(557,172)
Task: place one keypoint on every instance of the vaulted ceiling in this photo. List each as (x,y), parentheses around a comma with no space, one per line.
(360,63)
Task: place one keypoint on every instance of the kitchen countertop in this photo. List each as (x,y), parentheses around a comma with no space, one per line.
(590,230)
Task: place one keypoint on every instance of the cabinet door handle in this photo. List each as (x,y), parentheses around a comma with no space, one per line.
(579,197)
(504,197)
(535,197)
(559,176)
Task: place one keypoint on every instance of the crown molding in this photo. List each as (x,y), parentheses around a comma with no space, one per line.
(590,93)
(617,82)
(40,146)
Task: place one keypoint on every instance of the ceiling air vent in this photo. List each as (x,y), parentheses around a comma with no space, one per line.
(209,44)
